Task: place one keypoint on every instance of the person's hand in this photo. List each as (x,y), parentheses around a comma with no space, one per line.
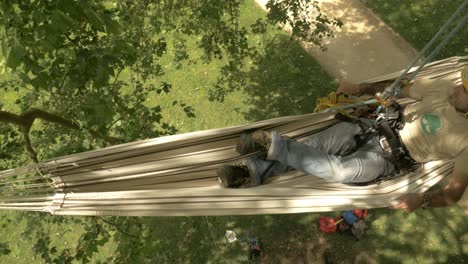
(347,88)
(409,202)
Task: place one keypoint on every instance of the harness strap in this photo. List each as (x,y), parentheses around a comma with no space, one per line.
(388,130)
(367,131)
(391,136)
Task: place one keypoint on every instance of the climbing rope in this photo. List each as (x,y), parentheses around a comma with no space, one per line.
(332,100)
(393,90)
(390,92)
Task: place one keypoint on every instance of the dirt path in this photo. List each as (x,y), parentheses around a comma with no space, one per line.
(365,47)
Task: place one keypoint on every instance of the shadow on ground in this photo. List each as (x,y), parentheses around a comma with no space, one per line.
(426,236)
(285,80)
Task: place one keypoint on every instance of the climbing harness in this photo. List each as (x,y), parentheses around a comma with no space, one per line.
(386,126)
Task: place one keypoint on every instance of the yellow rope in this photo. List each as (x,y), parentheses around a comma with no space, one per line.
(332,100)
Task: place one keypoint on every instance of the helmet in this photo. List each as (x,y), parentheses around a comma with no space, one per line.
(464,77)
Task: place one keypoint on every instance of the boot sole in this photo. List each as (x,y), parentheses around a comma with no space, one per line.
(222,177)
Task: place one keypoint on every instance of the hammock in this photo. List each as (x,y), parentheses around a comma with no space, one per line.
(176,175)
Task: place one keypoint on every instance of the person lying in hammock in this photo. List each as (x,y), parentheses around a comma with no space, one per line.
(433,130)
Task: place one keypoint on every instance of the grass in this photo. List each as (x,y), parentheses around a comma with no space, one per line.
(284,81)
(284,69)
(418,21)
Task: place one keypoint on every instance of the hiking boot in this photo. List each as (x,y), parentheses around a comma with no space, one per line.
(236,176)
(259,140)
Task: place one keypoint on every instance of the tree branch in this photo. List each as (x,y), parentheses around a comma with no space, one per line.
(31,115)
(10,118)
(26,120)
(34,114)
(29,147)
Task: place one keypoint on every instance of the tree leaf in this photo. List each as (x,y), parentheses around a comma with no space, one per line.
(94,19)
(112,26)
(15,56)
(60,17)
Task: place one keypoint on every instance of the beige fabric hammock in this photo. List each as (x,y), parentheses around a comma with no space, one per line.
(176,175)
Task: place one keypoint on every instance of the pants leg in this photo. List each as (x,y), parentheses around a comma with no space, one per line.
(337,140)
(261,168)
(363,165)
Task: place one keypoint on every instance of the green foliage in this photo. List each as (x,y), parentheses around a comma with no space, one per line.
(10,144)
(305,22)
(102,65)
(96,63)
(4,249)
(298,16)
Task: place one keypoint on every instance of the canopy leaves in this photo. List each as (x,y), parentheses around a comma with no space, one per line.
(81,74)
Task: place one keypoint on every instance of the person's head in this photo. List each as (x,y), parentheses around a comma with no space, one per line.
(459,98)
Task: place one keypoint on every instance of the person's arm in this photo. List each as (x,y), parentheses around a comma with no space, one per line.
(447,196)
(450,194)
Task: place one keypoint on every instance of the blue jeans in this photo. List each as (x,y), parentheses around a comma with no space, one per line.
(331,154)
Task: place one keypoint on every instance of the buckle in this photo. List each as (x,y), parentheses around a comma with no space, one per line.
(384,144)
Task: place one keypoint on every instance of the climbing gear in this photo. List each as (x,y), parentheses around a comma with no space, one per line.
(332,100)
(388,131)
(253,243)
(394,89)
(387,126)
(360,213)
(355,219)
(259,140)
(255,248)
(233,176)
(328,224)
(230,236)
(359,229)
(348,220)
(349,217)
